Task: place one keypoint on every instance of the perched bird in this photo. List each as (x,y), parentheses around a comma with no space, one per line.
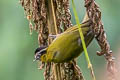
(67,45)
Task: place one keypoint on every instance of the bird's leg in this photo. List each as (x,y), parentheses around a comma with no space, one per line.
(53,36)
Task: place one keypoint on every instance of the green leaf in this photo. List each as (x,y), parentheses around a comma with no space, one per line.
(82,39)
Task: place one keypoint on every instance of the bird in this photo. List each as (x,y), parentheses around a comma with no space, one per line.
(66,46)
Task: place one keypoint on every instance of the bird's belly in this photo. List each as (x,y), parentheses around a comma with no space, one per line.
(65,54)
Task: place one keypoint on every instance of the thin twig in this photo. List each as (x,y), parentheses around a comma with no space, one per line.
(54,18)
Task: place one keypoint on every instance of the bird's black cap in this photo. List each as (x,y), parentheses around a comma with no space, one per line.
(39,49)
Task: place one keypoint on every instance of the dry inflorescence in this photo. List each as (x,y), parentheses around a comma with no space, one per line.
(41,14)
(94,14)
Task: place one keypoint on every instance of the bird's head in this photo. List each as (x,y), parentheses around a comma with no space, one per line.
(39,52)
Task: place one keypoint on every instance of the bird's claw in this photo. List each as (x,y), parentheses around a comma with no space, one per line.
(52,36)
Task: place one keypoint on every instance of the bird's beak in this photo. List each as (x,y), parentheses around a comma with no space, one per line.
(34,58)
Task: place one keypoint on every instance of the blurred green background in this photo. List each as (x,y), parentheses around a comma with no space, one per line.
(17,46)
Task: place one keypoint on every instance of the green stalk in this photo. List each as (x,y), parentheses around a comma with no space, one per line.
(83,41)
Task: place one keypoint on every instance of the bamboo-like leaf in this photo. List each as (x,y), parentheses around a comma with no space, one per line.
(83,42)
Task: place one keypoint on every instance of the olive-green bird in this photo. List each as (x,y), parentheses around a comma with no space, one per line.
(66,46)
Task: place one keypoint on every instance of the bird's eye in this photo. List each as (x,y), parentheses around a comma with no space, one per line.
(37,56)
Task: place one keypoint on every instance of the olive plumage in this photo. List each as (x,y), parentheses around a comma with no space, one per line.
(66,46)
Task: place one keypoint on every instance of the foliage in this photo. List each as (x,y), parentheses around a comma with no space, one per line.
(17,46)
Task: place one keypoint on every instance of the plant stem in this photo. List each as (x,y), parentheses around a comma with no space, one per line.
(82,39)
(53,30)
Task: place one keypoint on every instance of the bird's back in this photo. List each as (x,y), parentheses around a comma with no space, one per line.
(68,45)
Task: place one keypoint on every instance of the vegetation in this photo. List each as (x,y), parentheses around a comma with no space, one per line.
(17,59)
